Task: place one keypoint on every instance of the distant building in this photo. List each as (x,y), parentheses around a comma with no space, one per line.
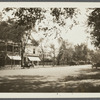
(10,53)
(32,53)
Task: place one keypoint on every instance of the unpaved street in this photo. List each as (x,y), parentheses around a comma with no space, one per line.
(54,72)
(48,79)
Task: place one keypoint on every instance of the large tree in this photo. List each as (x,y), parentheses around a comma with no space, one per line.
(26,18)
(10,32)
(65,53)
(81,53)
(94,24)
(95,56)
(29,17)
(53,52)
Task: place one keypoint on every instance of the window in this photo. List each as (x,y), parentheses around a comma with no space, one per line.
(10,48)
(33,51)
(16,49)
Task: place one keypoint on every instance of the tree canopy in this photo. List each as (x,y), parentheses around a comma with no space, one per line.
(81,53)
(28,17)
(65,12)
(94,24)
(19,26)
(10,32)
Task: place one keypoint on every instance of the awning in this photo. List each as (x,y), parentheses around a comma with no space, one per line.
(14,57)
(34,58)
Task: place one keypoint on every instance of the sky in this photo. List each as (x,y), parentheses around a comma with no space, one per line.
(76,35)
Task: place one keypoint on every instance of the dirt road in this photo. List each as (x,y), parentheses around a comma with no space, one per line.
(50,72)
(50,79)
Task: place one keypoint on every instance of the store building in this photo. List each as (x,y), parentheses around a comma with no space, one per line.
(9,53)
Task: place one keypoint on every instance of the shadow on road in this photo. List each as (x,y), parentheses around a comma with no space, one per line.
(87,81)
(27,84)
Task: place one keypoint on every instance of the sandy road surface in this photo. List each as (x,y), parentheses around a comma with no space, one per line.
(51,72)
(49,79)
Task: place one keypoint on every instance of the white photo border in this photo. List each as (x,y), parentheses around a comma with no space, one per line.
(50,4)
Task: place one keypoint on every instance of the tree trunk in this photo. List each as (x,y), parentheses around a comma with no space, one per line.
(54,60)
(43,59)
(22,54)
(58,60)
(5,53)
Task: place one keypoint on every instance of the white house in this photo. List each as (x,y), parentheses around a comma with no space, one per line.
(31,53)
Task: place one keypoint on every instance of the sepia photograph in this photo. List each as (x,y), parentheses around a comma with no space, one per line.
(49,49)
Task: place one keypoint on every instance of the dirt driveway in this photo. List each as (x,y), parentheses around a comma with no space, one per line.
(50,79)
